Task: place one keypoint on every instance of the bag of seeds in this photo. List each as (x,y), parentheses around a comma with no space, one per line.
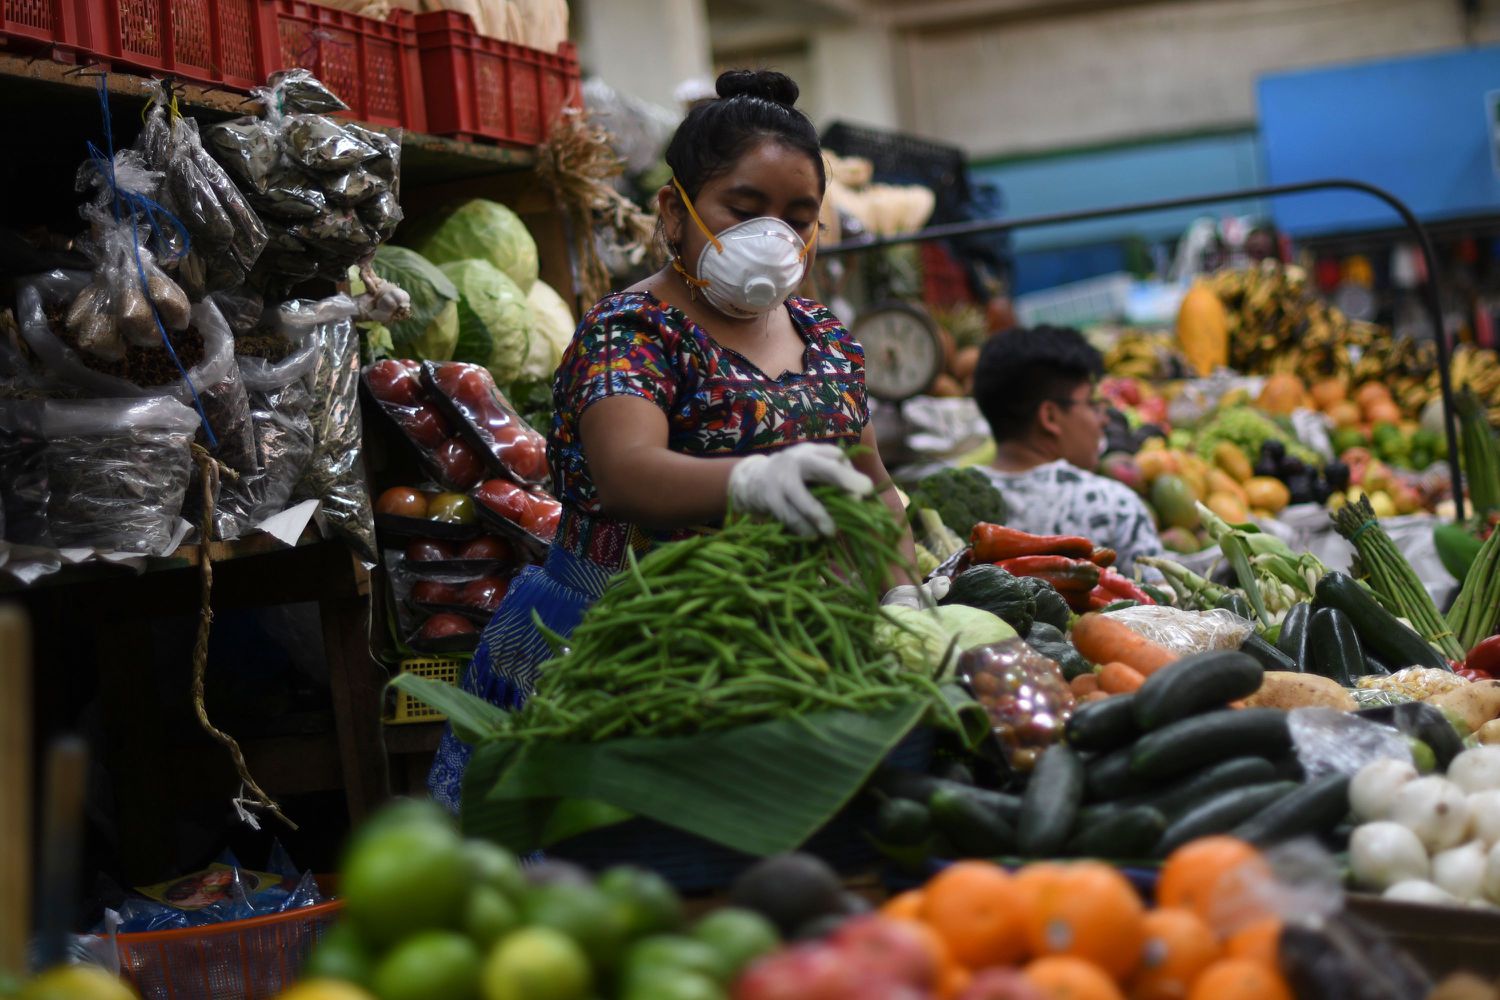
(118,470)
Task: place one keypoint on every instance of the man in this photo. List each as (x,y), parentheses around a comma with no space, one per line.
(1035,388)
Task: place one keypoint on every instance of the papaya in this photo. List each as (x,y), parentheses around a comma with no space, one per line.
(1228,506)
(1233,460)
(1173,501)
(1203,329)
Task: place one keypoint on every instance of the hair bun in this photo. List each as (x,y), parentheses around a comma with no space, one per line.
(763,83)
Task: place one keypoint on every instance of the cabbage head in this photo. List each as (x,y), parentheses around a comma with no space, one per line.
(494,321)
(930,640)
(551,331)
(480,229)
(431,331)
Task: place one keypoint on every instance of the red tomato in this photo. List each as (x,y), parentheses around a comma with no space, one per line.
(487,547)
(484,593)
(543,517)
(446,376)
(390,381)
(527,457)
(440,626)
(402,501)
(434,592)
(425,426)
(473,392)
(428,550)
(458,463)
(504,498)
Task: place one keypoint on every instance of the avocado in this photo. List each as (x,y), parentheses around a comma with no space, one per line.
(790,890)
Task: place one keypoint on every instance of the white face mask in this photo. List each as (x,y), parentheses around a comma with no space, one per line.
(750,268)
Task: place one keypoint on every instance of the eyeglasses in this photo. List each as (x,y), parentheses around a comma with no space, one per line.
(1099,404)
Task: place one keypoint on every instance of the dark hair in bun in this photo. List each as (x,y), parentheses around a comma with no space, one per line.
(753,105)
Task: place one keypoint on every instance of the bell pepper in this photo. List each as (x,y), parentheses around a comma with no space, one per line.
(994,542)
(1484,658)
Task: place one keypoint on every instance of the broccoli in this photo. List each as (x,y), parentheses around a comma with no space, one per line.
(961,497)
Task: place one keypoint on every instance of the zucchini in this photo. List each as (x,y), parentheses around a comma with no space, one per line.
(1221,813)
(1393,642)
(1314,808)
(1183,794)
(1336,652)
(1292,640)
(1108,776)
(977,832)
(1103,725)
(1235,601)
(902,822)
(1268,656)
(1129,833)
(1206,739)
(1196,684)
(1051,802)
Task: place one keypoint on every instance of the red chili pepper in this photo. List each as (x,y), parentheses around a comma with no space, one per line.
(1100,598)
(1485,656)
(1060,571)
(994,542)
(1103,557)
(1122,588)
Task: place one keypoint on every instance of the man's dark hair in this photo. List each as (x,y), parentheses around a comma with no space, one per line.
(1021,369)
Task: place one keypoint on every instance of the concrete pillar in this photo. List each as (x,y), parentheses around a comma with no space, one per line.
(854,76)
(645,48)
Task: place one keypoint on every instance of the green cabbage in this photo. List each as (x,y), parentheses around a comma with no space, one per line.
(480,229)
(930,640)
(551,331)
(431,331)
(494,321)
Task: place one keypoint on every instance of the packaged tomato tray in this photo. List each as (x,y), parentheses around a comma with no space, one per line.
(444,634)
(475,599)
(528,516)
(409,512)
(484,418)
(447,455)
(440,559)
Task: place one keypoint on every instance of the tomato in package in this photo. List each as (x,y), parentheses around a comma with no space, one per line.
(532,512)
(450,457)
(483,416)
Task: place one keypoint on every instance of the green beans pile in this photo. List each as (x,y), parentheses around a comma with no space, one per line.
(744,625)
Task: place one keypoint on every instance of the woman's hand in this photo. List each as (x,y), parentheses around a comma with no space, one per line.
(777,485)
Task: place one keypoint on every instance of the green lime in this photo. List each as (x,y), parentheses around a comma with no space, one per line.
(493,865)
(673,953)
(1422,756)
(405,878)
(403,812)
(432,965)
(339,954)
(581,912)
(76,982)
(674,984)
(648,902)
(537,963)
(739,936)
(489,915)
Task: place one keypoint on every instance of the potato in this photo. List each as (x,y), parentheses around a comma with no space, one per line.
(1489,733)
(1476,703)
(1285,689)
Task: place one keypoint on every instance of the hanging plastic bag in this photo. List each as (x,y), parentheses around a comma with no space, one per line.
(24,489)
(118,470)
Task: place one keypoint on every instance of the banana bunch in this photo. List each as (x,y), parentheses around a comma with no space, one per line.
(1145,355)
(1277,324)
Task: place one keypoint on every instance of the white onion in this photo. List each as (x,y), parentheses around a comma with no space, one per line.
(1492,874)
(1460,871)
(1484,816)
(1476,770)
(1435,809)
(1374,788)
(1382,854)
(1419,891)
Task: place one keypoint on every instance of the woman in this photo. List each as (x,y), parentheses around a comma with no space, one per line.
(706,384)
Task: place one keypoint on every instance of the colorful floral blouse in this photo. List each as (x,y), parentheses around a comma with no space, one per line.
(717,402)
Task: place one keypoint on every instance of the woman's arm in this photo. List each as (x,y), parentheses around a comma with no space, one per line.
(868,461)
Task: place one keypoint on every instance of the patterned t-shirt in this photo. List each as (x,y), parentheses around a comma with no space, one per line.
(1062,499)
(717,402)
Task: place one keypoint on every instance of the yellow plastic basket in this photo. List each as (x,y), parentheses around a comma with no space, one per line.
(439,668)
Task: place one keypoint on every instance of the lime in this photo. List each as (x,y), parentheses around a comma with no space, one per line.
(493,865)
(739,936)
(673,953)
(339,954)
(432,965)
(674,984)
(324,989)
(581,912)
(489,915)
(403,812)
(537,963)
(76,982)
(1422,756)
(647,901)
(405,878)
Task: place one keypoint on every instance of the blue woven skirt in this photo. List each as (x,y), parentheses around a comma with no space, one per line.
(504,670)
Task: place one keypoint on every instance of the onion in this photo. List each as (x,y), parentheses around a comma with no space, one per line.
(1476,770)
(1484,816)
(1491,886)
(1460,871)
(1374,788)
(1435,809)
(1419,891)
(1382,854)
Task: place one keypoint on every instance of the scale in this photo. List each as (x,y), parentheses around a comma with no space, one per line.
(903,354)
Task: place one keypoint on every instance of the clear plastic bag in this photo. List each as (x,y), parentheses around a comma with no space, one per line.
(118,470)
(485,419)
(24,489)
(1024,694)
(1329,741)
(1185,632)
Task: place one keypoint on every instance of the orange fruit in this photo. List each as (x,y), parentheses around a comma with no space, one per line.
(1030,880)
(1239,979)
(1216,877)
(1179,945)
(972,905)
(1090,911)
(905,906)
(954,981)
(1061,977)
(1259,941)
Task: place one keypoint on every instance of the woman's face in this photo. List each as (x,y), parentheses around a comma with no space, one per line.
(770,179)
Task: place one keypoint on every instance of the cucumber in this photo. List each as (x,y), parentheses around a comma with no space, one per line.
(1268,656)
(1221,813)
(1393,642)
(1108,776)
(1235,601)
(1292,639)
(975,831)
(1336,652)
(1188,791)
(902,822)
(1129,833)
(1195,684)
(1429,724)
(1375,666)
(1051,802)
(1103,725)
(1314,808)
(1206,739)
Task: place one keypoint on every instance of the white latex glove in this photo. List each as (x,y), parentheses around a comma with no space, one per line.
(777,485)
(918,595)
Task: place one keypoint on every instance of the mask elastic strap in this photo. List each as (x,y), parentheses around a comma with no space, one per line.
(807,247)
(694,213)
(682,272)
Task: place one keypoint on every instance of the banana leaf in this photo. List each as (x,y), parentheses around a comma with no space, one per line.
(473,719)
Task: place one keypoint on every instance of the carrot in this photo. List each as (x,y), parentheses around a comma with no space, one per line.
(1101,639)
(1117,678)
(1095,696)
(1084,684)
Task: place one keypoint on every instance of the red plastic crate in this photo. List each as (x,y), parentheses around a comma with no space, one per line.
(481,88)
(203,41)
(944,283)
(29,25)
